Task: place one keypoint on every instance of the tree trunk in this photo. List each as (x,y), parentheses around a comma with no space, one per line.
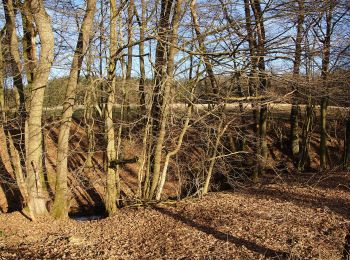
(259,20)
(34,164)
(201,39)
(29,46)
(324,74)
(142,25)
(158,111)
(130,20)
(294,131)
(304,160)
(61,207)
(220,131)
(164,78)
(252,88)
(176,149)
(263,139)
(12,54)
(294,114)
(89,102)
(323,142)
(111,192)
(2,88)
(347,145)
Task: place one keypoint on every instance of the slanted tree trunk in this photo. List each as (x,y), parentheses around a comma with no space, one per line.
(177,147)
(294,114)
(17,167)
(12,54)
(165,54)
(201,39)
(158,113)
(12,57)
(16,143)
(219,133)
(34,157)
(111,191)
(61,207)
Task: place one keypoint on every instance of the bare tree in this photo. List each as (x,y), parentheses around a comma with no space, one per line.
(294,123)
(111,192)
(164,69)
(34,163)
(61,205)
(326,50)
(130,35)
(261,52)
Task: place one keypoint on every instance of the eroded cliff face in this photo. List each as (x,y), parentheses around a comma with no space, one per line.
(86,182)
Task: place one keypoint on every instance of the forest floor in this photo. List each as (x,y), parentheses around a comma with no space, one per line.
(304,217)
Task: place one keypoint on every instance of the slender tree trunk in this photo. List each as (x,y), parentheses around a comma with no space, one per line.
(17,167)
(304,161)
(89,102)
(347,145)
(176,149)
(130,21)
(29,46)
(324,74)
(2,88)
(34,157)
(323,141)
(101,35)
(253,76)
(158,114)
(61,207)
(142,25)
(164,78)
(294,115)
(263,149)
(253,61)
(111,192)
(201,39)
(89,122)
(220,131)
(13,55)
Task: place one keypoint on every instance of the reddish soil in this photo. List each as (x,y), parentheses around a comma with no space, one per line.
(288,219)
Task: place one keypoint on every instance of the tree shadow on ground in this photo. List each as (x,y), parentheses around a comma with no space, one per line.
(341,182)
(267,252)
(337,205)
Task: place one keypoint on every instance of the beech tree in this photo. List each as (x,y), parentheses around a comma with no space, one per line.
(61,202)
(294,114)
(29,158)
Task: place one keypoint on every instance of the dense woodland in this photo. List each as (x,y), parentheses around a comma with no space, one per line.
(109,104)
